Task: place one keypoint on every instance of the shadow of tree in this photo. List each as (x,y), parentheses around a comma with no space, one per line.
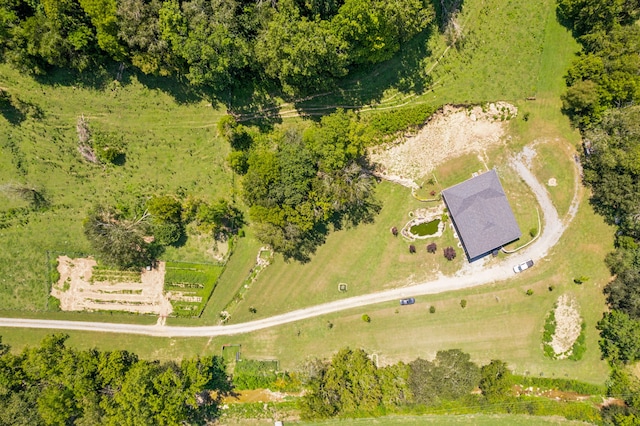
(254,102)
(15,110)
(12,114)
(445,10)
(366,85)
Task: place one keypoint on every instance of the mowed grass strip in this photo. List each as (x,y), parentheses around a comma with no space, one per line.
(468,419)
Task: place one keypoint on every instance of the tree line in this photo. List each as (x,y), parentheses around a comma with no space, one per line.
(351,385)
(603,90)
(217,44)
(53,384)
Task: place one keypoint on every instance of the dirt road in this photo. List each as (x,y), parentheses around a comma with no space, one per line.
(472,275)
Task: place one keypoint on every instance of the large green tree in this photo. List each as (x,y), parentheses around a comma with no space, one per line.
(451,375)
(118,241)
(495,381)
(619,337)
(302,54)
(205,35)
(349,384)
(298,185)
(374,30)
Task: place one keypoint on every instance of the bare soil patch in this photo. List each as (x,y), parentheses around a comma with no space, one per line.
(78,292)
(568,324)
(449,133)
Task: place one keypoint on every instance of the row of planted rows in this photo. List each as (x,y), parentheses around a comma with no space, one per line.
(193,282)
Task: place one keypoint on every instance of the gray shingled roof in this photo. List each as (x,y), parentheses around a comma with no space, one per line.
(481,214)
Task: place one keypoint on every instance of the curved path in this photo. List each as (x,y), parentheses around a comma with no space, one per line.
(471,275)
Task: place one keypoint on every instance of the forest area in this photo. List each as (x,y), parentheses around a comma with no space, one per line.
(216,46)
(601,99)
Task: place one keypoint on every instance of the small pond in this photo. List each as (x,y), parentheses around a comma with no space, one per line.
(425,228)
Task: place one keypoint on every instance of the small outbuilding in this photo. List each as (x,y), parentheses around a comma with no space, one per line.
(481,214)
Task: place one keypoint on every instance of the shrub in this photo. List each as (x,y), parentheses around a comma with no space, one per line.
(533,232)
(580,345)
(252,310)
(167,233)
(525,116)
(394,231)
(431,248)
(432,193)
(547,334)
(238,161)
(581,279)
(552,287)
(53,304)
(449,253)
(432,309)
(250,374)
(529,292)
(412,248)
(463,303)
(398,120)
(366,318)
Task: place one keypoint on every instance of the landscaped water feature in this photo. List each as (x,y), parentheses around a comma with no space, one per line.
(425,223)
(425,228)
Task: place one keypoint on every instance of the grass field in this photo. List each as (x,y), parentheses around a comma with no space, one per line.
(170,146)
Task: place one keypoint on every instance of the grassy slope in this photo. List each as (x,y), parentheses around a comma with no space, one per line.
(506,65)
(168,145)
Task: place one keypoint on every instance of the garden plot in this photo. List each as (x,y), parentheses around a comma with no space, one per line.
(188,286)
(452,132)
(83,286)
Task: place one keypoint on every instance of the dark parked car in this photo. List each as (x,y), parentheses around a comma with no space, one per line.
(408,301)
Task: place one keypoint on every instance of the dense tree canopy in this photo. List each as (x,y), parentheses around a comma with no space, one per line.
(52,384)
(605,74)
(604,85)
(302,45)
(117,240)
(450,375)
(297,184)
(619,337)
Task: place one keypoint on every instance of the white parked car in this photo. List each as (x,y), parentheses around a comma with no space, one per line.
(521,267)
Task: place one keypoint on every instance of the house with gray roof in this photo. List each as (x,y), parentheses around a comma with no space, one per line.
(481,214)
